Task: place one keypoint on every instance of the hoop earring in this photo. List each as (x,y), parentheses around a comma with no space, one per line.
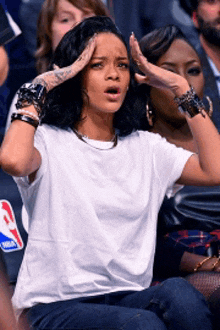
(210,111)
(149,115)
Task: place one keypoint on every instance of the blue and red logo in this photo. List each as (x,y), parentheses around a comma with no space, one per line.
(10,238)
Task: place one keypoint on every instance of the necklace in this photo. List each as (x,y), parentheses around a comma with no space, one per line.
(86,139)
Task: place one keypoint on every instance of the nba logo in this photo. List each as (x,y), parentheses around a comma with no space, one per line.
(10,239)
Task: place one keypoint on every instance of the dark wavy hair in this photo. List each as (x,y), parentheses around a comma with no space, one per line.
(156,43)
(63,104)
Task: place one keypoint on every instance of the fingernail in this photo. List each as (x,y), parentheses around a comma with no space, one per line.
(92,38)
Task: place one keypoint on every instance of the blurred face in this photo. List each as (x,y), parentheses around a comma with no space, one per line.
(66,17)
(4,66)
(107,76)
(183,60)
(207,20)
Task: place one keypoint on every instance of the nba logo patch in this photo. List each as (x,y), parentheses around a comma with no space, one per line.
(10,238)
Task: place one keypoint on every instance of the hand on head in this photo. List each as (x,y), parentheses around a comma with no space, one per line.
(54,78)
(154,75)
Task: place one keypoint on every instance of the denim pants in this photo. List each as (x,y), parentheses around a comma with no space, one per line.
(174,304)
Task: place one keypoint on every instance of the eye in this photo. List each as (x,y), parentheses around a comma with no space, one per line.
(168,69)
(64,20)
(123,65)
(195,71)
(96,65)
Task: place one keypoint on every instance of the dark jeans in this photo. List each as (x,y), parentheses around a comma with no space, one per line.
(173,304)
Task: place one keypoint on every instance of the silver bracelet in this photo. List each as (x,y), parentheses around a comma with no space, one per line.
(31,94)
(189,103)
(27,119)
(22,111)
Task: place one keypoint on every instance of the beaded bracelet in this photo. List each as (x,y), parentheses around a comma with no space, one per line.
(215,263)
(199,265)
(29,120)
(190,104)
(31,114)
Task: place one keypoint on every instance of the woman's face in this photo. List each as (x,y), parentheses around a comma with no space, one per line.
(66,17)
(107,76)
(183,60)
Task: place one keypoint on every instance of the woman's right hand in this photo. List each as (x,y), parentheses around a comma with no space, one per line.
(154,75)
(56,77)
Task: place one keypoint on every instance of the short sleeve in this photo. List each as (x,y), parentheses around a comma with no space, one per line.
(169,161)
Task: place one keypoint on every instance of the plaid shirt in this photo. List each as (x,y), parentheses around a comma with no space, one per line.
(197,241)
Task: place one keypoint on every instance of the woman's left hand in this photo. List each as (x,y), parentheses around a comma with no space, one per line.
(57,76)
(154,75)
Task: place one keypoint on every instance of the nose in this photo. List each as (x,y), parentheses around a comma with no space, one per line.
(112,73)
(183,74)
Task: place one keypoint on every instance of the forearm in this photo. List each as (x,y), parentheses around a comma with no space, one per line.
(208,144)
(190,261)
(57,76)
(206,137)
(17,153)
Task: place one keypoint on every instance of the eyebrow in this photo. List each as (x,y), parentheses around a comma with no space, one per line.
(104,57)
(173,64)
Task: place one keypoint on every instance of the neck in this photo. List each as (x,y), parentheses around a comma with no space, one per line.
(97,127)
(180,136)
(212,51)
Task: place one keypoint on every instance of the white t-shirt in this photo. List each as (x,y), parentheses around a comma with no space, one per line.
(93,215)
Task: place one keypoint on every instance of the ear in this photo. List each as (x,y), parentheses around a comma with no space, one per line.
(195,19)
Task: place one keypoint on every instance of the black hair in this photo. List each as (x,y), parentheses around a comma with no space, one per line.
(63,104)
(156,43)
(189,6)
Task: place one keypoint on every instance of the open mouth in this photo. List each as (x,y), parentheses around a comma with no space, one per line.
(112,90)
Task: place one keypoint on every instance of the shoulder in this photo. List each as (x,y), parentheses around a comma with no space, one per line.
(53,134)
(147,137)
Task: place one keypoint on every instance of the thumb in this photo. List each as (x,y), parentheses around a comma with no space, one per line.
(141,79)
(56,67)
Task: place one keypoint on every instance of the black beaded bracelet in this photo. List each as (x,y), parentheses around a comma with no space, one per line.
(31,94)
(27,119)
(190,104)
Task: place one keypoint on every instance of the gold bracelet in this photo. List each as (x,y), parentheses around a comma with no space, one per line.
(215,263)
(201,263)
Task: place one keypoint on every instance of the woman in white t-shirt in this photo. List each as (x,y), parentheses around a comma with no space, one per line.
(93,183)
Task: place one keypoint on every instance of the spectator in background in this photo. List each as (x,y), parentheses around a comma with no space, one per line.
(168,48)
(28,13)
(56,18)
(8,31)
(205,16)
(142,16)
